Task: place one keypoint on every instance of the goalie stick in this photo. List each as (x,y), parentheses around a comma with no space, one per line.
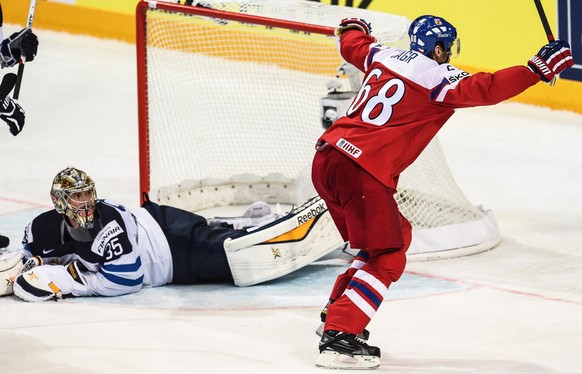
(547,29)
(31,10)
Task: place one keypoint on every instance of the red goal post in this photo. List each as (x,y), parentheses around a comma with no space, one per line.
(229,112)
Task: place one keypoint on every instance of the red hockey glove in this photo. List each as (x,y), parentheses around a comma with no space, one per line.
(353,23)
(552,59)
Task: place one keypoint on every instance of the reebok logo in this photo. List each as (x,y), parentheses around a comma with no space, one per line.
(313,212)
(71,269)
(541,65)
(349,148)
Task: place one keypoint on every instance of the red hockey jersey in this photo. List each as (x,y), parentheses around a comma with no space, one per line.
(405,99)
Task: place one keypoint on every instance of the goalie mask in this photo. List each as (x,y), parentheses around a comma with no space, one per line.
(427,31)
(73,194)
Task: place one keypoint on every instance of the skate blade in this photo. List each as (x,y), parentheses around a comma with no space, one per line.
(335,360)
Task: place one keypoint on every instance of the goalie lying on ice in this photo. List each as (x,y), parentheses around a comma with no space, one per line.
(87,247)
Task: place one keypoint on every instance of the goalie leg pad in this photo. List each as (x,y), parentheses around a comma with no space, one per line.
(291,242)
(10,266)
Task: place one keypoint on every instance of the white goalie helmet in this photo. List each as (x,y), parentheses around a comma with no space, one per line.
(73,194)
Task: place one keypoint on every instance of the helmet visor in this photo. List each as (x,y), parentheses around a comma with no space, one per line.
(454,48)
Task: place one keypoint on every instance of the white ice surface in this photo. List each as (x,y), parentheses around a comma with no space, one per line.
(514,309)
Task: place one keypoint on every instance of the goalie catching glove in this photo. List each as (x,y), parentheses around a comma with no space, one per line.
(552,59)
(353,23)
(50,282)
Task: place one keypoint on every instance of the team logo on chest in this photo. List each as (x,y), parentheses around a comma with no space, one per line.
(349,148)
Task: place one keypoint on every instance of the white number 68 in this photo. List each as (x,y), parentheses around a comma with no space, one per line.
(387,102)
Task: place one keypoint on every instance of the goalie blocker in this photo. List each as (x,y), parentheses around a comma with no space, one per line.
(304,235)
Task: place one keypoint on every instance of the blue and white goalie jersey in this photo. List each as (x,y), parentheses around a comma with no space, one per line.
(124,251)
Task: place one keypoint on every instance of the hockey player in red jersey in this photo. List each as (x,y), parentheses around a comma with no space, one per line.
(405,98)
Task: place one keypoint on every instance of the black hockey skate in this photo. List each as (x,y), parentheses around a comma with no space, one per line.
(364,335)
(341,350)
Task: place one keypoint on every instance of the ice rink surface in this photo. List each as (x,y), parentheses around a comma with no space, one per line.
(514,309)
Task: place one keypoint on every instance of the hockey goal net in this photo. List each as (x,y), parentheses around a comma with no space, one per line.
(229,112)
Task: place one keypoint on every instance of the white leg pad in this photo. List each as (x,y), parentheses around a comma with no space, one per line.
(291,242)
